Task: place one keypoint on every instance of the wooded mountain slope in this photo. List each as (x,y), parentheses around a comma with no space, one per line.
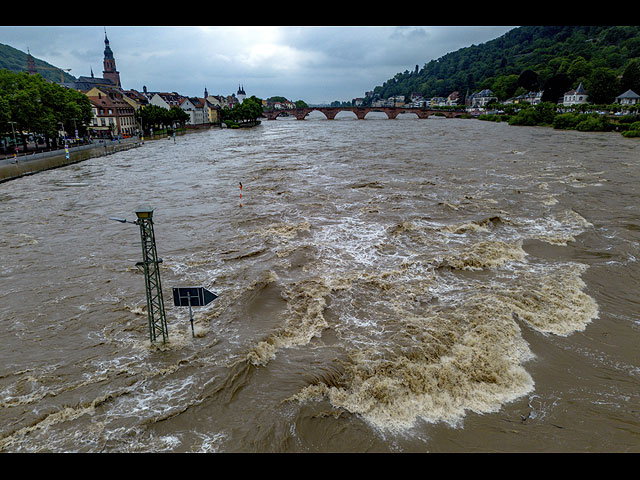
(553,58)
(15,60)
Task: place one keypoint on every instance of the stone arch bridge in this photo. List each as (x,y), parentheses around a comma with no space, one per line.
(360,112)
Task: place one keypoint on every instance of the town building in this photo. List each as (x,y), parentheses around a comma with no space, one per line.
(534,98)
(112,115)
(482,98)
(575,97)
(213,111)
(84,84)
(135,99)
(166,99)
(437,102)
(195,108)
(628,98)
(216,100)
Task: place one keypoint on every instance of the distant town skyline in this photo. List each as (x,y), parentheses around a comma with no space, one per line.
(315,64)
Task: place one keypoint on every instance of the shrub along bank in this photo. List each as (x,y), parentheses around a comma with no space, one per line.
(550,115)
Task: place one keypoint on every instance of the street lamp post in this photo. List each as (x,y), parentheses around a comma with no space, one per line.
(15,142)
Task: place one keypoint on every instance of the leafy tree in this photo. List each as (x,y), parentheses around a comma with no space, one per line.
(566,121)
(5,114)
(579,70)
(39,106)
(247,111)
(176,115)
(529,80)
(593,123)
(545,112)
(631,77)
(602,85)
(505,86)
(156,117)
(555,87)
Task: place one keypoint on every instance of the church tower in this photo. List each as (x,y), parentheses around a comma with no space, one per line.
(241,95)
(110,71)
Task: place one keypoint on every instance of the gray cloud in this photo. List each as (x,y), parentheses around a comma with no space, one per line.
(315,64)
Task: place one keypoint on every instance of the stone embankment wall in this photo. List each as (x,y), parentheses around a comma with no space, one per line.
(29,164)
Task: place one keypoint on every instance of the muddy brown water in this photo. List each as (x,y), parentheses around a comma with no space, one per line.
(407,285)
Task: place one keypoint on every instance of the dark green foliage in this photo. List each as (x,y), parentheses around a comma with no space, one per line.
(541,114)
(602,85)
(156,117)
(633,130)
(38,106)
(492,117)
(525,116)
(246,112)
(584,122)
(566,121)
(593,123)
(631,77)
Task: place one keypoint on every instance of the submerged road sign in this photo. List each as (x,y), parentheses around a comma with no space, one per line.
(192,297)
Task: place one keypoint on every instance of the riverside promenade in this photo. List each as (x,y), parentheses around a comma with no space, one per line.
(12,168)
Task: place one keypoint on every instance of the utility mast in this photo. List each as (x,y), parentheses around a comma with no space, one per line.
(150,266)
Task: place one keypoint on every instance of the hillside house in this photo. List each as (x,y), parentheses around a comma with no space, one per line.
(482,98)
(628,98)
(453,98)
(575,97)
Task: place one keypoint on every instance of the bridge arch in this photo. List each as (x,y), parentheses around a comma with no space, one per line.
(361,112)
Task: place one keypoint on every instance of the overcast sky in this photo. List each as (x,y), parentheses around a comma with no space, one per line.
(315,64)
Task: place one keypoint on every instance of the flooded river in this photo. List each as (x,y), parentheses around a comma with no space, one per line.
(438,285)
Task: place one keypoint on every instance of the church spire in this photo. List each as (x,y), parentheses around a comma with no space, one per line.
(110,71)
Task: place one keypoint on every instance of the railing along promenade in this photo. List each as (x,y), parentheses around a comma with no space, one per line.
(19,166)
(361,112)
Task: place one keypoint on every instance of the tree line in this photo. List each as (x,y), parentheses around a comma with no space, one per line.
(156,118)
(29,104)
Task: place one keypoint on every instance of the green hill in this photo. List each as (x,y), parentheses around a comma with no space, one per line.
(554,59)
(15,60)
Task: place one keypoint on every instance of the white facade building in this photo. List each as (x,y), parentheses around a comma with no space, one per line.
(574,97)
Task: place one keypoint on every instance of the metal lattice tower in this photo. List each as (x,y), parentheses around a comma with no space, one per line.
(149,264)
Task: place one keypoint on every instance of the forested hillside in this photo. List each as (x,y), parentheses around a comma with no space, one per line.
(606,59)
(15,60)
